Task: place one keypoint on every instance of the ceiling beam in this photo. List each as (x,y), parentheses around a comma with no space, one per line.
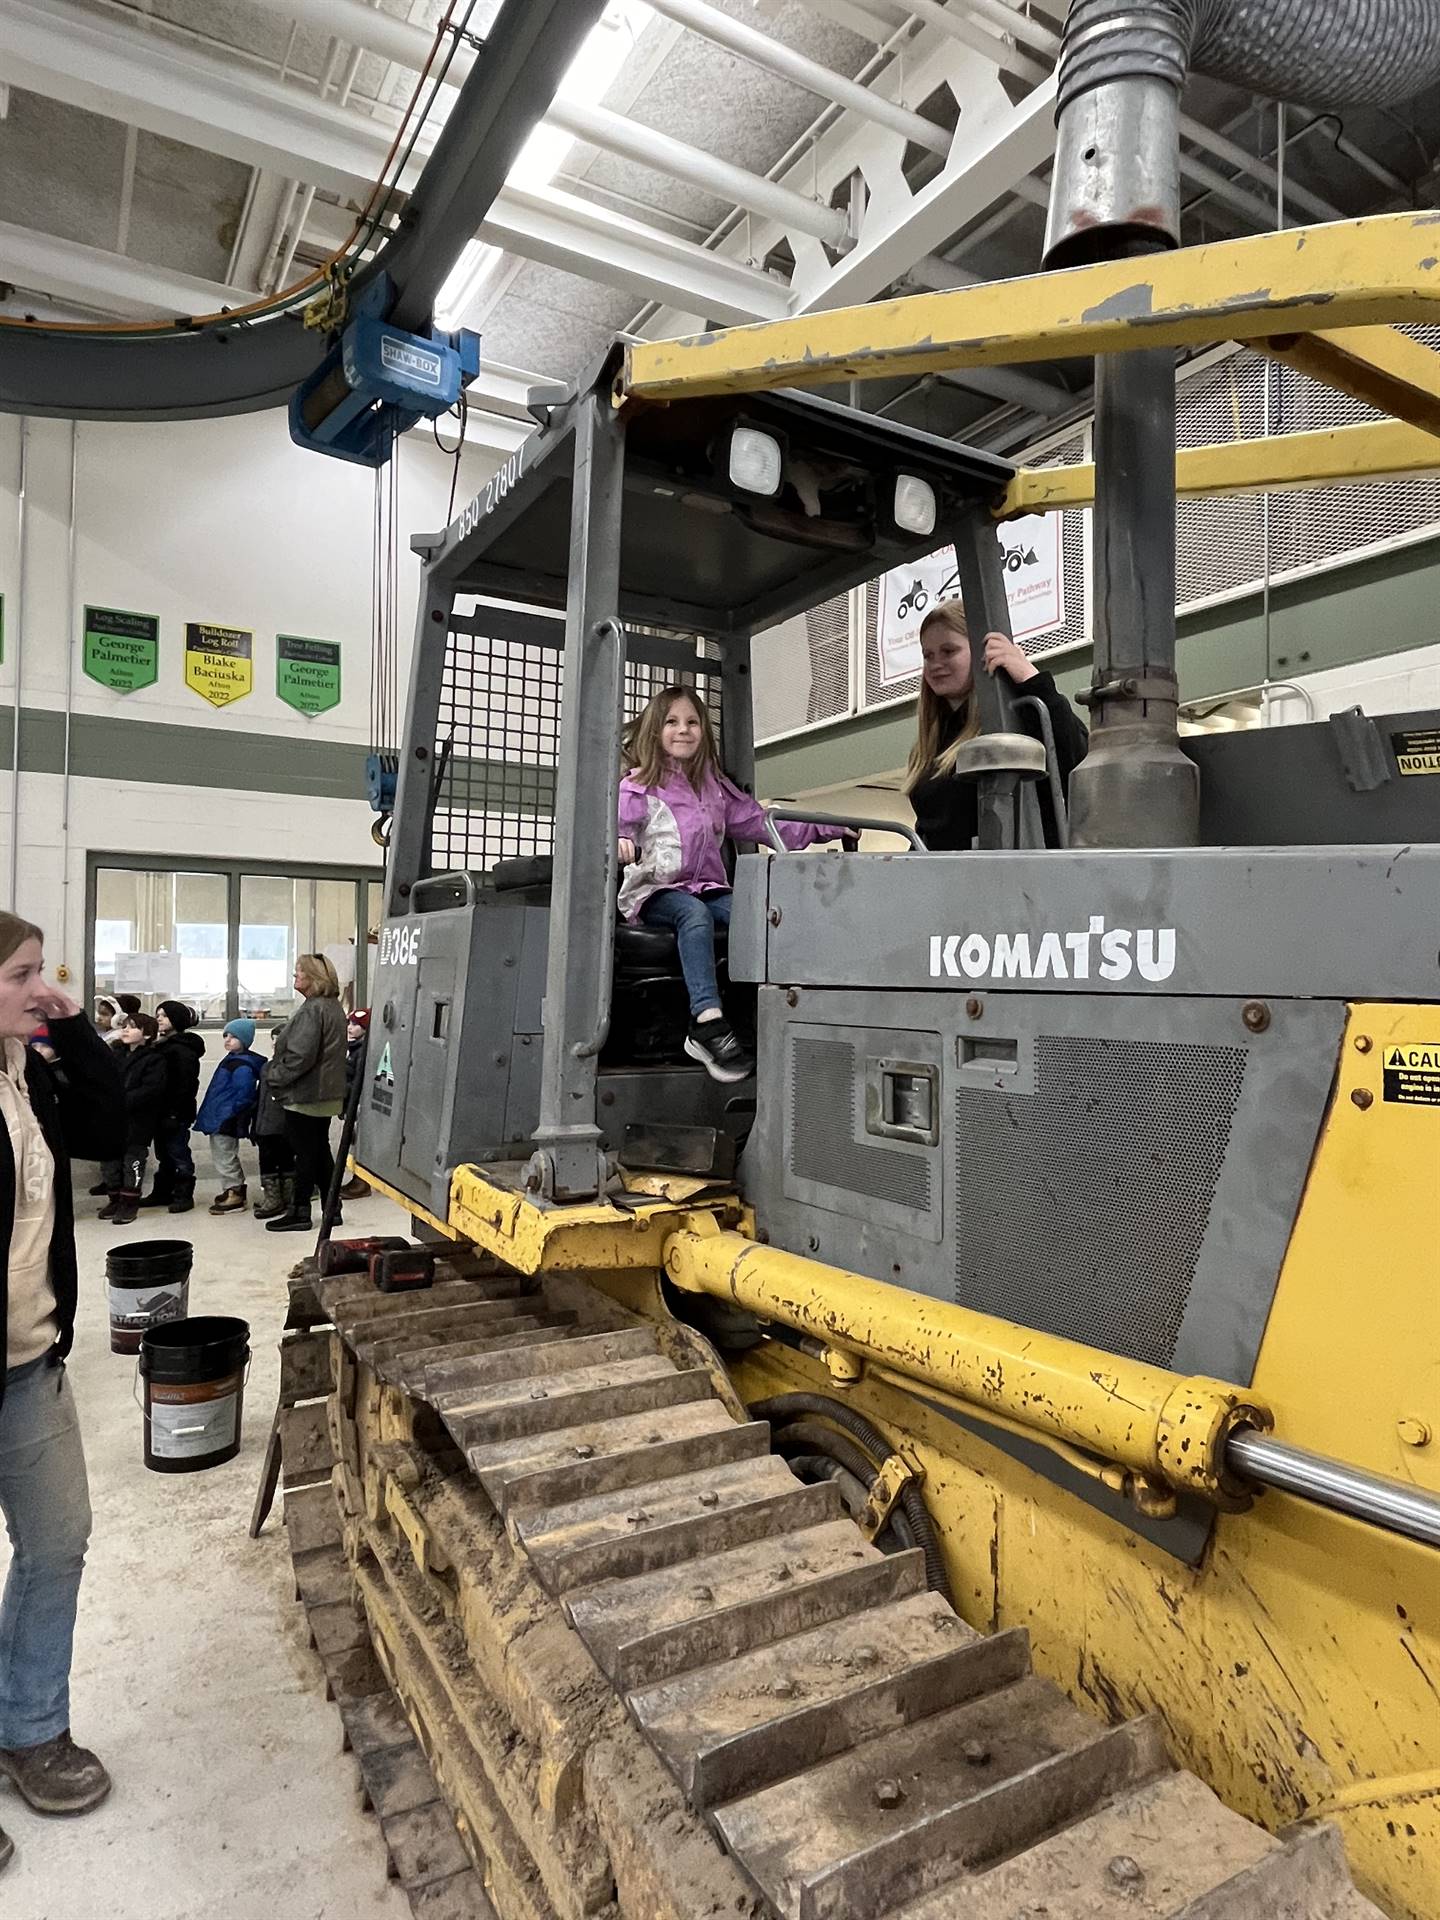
(63,53)
(111,283)
(992,153)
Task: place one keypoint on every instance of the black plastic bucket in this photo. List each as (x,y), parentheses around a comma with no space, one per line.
(192,1375)
(147,1283)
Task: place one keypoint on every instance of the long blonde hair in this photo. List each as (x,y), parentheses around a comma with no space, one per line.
(934,714)
(648,760)
(319,975)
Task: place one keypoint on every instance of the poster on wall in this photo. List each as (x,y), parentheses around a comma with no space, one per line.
(218,662)
(307,673)
(147,972)
(122,650)
(1034,587)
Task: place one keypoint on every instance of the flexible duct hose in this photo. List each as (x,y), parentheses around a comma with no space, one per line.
(1333,53)
(790,1406)
(1123,67)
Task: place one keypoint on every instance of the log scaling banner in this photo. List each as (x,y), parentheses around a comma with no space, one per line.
(307,673)
(218,662)
(122,650)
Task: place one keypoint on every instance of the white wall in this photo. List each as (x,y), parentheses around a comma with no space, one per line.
(219,520)
(1395,683)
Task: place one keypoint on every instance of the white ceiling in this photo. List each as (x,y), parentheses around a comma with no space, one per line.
(157,156)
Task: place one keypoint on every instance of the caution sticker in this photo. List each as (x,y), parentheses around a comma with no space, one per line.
(1412,1073)
(1417,750)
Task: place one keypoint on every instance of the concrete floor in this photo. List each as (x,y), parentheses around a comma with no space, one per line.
(193,1679)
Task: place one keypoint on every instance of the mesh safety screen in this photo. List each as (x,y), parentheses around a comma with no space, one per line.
(497,737)
(1081,1208)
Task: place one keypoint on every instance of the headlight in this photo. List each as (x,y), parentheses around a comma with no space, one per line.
(754,461)
(914,504)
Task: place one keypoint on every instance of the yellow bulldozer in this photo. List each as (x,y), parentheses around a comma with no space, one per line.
(986,1464)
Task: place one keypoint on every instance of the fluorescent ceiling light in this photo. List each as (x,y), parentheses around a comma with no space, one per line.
(592,72)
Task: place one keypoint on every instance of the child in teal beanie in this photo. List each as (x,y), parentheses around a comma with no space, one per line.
(226,1111)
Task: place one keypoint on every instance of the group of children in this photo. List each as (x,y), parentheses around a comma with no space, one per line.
(159,1059)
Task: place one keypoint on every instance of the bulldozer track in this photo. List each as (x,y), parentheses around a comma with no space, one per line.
(640,1669)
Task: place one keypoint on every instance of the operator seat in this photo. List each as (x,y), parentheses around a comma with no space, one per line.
(640,952)
(649,1008)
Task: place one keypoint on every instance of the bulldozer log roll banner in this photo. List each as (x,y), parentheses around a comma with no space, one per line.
(219,663)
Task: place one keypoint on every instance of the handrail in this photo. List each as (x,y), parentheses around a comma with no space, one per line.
(605,984)
(1052,765)
(809,818)
(458,878)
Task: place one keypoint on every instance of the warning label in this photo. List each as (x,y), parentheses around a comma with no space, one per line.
(1412,1074)
(1417,750)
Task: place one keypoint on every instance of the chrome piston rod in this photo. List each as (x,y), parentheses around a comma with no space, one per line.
(1310,1476)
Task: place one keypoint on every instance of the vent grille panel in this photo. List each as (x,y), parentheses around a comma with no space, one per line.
(823,1146)
(1081,1208)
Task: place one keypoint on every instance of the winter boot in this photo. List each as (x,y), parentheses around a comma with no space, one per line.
(356,1189)
(231,1201)
(95,1192)
(107,1212)
(127,1209)
(182,1199)
(293,1220)
(272,1202)
(162,1192)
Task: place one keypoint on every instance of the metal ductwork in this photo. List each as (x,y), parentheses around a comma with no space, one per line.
(1115,192)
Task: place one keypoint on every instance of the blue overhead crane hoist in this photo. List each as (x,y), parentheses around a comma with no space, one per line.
(378,381)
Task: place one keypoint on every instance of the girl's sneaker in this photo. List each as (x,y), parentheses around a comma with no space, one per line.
(713,1044)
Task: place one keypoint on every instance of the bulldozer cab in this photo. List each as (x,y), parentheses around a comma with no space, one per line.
(519,1023)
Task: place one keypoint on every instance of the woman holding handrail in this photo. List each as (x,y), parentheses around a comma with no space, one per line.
(948,714)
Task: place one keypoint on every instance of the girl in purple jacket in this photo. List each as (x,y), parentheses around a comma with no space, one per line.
(677,809)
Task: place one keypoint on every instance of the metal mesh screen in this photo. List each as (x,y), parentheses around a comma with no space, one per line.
(498,735)
(802,669)
(1220,541)
(823,1146)
(1124,1140)
(498,731)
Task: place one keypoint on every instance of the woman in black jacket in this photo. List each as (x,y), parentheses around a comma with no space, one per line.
(42,1464)
(947,714)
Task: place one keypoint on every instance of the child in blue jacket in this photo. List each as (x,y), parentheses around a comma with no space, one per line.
(226,1111)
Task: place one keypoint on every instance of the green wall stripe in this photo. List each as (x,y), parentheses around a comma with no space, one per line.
(110,747)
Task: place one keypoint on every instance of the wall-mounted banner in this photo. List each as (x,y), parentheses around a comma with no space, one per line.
(1034,586)
(307,673)
(122,650)
(218,664)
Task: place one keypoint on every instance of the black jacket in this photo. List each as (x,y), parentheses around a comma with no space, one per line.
(145,1076)
(83,1116)
(182,1053)
(946,816)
